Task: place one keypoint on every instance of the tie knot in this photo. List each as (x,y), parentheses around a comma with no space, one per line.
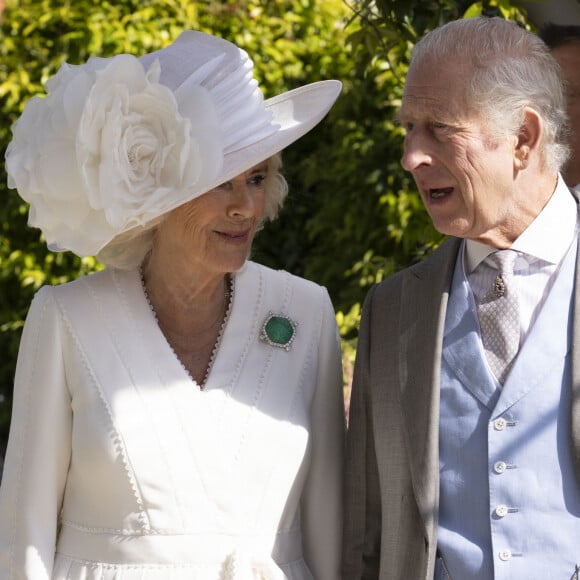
(504,261)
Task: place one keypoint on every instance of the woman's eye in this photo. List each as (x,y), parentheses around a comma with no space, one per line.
(258,179)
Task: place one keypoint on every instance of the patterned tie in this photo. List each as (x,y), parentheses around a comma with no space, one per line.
(499,318)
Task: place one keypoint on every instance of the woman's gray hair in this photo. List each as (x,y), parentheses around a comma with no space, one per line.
(512,69)
(128,250)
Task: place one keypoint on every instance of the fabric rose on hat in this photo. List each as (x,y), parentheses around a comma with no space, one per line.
(108,150)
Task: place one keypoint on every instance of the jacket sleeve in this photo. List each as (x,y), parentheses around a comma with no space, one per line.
(322,496)
(39,444)
(362,523)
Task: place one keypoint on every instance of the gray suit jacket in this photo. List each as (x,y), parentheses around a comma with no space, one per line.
(392,467)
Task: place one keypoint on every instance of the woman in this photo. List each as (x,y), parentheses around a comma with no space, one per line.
(177,415)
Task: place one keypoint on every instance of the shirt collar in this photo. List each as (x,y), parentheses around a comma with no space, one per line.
(547,238)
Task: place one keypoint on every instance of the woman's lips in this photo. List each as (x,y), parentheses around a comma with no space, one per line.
(234,237)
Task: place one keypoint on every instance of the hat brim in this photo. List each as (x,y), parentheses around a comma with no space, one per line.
(295,112)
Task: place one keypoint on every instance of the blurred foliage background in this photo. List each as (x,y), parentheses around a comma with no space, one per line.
(353,216)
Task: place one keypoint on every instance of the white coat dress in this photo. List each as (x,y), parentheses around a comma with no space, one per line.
(120,468)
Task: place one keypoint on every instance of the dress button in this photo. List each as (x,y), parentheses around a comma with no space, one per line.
(500,424)
(499,466)
(505,555)
(501,511)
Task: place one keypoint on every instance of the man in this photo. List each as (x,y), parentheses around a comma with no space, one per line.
(564,43)
(463,457)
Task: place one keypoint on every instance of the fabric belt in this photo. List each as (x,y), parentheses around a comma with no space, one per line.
(172,549)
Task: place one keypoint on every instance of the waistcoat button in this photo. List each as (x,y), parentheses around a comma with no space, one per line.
(499,466)
(500,424)
(501,511)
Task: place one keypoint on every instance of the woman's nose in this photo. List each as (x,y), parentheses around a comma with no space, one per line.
(241,202)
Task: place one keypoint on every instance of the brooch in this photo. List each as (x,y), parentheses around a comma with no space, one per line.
(278,330)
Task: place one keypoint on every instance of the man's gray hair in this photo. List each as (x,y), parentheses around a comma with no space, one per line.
(512,69)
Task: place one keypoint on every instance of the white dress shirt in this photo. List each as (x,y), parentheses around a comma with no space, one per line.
(541,248)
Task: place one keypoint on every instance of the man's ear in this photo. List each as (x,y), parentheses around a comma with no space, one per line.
(528,138)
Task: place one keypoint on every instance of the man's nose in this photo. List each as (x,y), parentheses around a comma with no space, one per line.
(417,151)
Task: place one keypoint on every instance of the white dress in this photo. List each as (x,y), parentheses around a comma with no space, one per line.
(152,478)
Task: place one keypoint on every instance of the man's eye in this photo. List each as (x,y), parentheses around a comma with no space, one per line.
(405,125)
(438,125)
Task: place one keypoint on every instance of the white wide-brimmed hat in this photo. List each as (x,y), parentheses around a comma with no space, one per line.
(120,141)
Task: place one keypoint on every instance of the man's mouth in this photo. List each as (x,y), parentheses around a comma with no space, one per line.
(439,192)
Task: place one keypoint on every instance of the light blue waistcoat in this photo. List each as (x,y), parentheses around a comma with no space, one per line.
(509,499)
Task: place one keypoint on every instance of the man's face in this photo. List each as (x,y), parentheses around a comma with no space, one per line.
(465,174)
(568,57)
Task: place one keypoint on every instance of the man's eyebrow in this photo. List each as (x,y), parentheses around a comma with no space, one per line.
(432,114)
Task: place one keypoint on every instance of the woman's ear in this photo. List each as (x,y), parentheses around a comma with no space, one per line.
(528,138)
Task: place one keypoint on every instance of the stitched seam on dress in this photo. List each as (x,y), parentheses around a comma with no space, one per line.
(121,290)
(314,340)
(89,529)
(252,335)
(16,511)
(265,368)
(178,413)
(107,566)
(118,440)
(285,301)
(115,435)
(127,532)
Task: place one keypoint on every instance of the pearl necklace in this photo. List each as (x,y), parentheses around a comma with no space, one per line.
(228,300)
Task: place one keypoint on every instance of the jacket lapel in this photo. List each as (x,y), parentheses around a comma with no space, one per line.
(424,299)
(575,403)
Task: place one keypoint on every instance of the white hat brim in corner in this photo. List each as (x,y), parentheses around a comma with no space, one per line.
(296,112)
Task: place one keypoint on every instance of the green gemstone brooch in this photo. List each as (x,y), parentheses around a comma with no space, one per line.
(278,330)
